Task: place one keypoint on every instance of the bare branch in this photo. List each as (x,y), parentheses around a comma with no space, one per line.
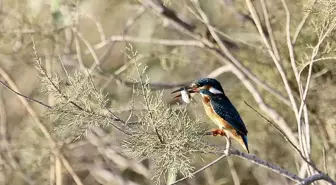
(269,28)
(315,178)
(234,174)
(310,179)
(276,61)
(302,23)
(226,153)
(316,60)
(160,9)
(26,97)
(290,45)
(166,42)
(265,164)
(253,159)
(217,72)
(129,23)
(285,137)
(201,169)
(303,138)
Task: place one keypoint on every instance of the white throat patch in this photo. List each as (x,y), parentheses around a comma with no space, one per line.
(215,91)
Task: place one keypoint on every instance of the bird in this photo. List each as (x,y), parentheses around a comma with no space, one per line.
(219,109)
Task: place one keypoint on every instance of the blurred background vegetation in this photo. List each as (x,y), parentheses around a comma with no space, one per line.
(75,35)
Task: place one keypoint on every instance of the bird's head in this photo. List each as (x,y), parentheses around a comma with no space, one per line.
(211,85)
(203,83)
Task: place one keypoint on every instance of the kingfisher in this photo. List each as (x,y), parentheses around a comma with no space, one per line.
(219,109)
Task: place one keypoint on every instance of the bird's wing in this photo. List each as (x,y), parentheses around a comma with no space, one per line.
(225,109)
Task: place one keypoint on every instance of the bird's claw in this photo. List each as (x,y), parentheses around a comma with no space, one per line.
(216,132)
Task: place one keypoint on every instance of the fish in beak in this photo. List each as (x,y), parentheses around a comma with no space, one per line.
(184,93)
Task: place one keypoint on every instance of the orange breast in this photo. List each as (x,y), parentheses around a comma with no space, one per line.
(220,122)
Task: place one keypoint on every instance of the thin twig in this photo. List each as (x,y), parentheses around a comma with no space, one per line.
(26,97)
(42,127)
(5,148)
(226,153)
(265,164)
(165,42)
(289,44)
(143,91)
(90,48)
(218,71)
(129,23)
(191,43)
(52,172)
(201,169)
(324,160)
(47,106)
(302,23)
(316,60)
(323,175)
(303,139)
(285,137)
(233,171)
(303,106)
(58,171)
(317,177)
(275,60)
(115,118)
(253,159)
(79,54)
(269,28)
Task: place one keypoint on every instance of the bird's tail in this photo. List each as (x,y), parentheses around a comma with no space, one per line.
(243,141)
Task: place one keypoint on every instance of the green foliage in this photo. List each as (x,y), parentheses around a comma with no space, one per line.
(167,136)
(78,105)
(326,8)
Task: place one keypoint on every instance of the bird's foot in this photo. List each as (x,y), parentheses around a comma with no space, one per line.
(217,131)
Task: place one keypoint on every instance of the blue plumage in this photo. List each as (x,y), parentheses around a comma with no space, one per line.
(219,109)
(223,107)
(209,82)
(245,142)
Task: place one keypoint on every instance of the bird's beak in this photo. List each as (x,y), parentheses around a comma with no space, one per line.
(189,89)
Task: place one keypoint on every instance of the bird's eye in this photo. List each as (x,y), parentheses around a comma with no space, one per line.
(194,86)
